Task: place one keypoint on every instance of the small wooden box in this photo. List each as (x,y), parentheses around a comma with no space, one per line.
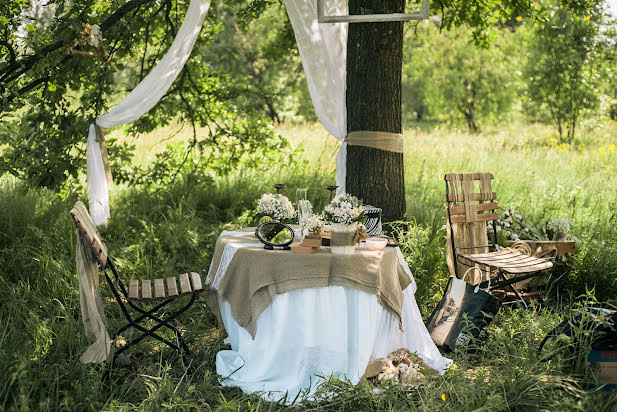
(304,250)
(604,364)
(311,241)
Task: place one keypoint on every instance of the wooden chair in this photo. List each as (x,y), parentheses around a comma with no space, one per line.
(468,211)
(139,292)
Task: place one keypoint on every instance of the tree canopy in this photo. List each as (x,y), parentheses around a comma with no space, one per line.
(63,63)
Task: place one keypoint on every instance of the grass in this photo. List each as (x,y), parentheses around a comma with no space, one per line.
(173,229)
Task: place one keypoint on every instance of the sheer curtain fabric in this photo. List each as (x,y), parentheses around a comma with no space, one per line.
(138,102)
(323,48)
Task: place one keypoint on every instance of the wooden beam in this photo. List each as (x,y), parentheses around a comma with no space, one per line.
(371,18)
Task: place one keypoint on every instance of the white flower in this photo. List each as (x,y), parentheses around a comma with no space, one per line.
(96,37)
(344,208)
(276,205)
(311,222)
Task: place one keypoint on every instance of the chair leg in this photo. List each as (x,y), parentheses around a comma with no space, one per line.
(160,323)
(518,295)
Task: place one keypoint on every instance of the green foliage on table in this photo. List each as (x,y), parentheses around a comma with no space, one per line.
(568,65)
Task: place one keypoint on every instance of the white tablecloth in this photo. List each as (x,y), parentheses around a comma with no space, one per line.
(308,333)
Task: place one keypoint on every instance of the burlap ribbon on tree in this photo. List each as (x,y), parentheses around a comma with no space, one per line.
(390,142)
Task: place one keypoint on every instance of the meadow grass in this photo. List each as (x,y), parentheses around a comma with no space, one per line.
(172,230)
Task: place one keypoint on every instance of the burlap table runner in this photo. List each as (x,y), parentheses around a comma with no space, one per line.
(254,275)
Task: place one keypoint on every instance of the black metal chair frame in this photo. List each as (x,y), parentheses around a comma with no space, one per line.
(121,296)
(498,282)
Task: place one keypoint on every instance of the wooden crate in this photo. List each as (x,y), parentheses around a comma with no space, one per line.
(565,247)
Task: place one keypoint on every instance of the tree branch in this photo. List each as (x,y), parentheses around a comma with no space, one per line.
(17,68)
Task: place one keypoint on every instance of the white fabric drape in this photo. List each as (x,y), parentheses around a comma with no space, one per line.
(143,98)
(323,48)
(318,331)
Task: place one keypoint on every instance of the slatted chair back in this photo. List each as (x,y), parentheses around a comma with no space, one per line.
(471,204)
(87,229)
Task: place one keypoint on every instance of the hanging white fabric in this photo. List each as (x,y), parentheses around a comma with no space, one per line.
(143,98)
(323,48)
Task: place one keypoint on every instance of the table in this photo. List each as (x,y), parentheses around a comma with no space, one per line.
(307,333)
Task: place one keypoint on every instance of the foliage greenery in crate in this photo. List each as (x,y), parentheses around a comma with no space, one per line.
(557,227)
(514,226)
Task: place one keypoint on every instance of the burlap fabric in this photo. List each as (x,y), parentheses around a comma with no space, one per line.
(92,313)
(255,275)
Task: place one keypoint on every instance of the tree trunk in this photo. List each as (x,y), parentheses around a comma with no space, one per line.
(374,64)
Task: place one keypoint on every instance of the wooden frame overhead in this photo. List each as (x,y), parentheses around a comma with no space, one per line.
(371,18)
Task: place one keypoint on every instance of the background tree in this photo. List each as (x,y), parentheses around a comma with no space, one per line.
(564,71)
(453,80)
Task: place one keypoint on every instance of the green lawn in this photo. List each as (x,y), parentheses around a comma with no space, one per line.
(170,230)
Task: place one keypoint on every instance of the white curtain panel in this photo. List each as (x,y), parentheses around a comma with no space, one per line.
(143,98)
(323,48)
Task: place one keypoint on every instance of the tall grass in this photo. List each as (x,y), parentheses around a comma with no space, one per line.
(172,229)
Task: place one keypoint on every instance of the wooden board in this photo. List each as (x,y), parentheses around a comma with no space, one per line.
(527,269)
(459,176)
(480,217)
(474,196)
(146,289)
(185,284)
(133,289)
(159,289)
(83,223)
(481,207)
(196,280)
(172,287)
(304,250)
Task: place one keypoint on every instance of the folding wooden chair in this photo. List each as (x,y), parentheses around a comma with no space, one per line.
(139,292)
(468,211)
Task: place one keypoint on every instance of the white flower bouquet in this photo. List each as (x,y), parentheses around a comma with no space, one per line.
(311,222)
(275,205)
(345,209)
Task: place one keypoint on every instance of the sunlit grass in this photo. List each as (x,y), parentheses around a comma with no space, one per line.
(173,229)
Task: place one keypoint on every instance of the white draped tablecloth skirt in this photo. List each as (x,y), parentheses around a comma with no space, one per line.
(307,334)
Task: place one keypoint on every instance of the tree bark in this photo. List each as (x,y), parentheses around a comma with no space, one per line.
(374,64)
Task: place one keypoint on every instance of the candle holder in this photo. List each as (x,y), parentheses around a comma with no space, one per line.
(278,187)
(331,189)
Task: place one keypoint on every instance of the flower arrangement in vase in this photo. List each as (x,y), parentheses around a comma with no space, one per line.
(344,213)
(276,206)
(312,223)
